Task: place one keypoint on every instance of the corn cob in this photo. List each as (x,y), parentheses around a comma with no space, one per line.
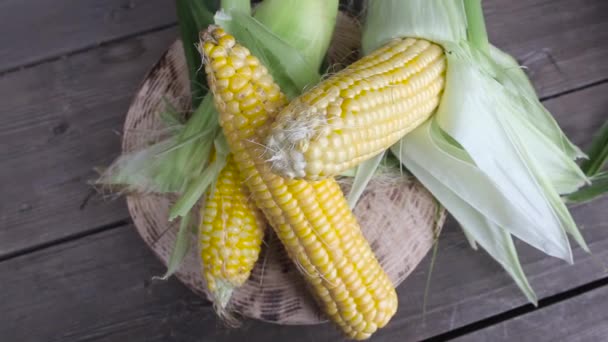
(358,112)
(313,220)
(230,234)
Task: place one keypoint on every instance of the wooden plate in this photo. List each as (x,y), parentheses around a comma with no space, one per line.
(397,218)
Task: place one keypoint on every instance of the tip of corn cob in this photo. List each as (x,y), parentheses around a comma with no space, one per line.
(289,139)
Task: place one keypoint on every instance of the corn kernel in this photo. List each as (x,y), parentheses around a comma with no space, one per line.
(299,211)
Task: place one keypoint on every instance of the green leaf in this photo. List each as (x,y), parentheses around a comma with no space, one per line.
(198,187)
(243,6)
(598,152)
(288,19)
(476,25)
(598,188)
(363,174)
(455,170)
(495,240)
(193,16)
(435,20)
(171,116)
(512,76)
(180,248)
(289,68)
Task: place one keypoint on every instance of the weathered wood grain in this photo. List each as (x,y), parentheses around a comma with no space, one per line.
(583,318)
(60,120)
(561,42)
(35,30)
(98,288)
(539,33)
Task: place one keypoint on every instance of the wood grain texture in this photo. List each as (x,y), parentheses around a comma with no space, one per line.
(581,319)
(35,30)
(98,288)
(60,120)
(561,42)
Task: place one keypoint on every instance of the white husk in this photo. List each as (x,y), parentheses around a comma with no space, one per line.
(492,154)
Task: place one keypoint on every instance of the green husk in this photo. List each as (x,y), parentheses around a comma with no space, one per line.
(598,152)
(193,16)
(242,6)
(203,181)
(598,155)
(319,14)
(363,174)
(180,248)
(491,154)
(597,188)
(170,164)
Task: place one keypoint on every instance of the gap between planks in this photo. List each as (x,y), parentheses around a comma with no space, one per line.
(574,90)
(519,311)
(86,48)
(65,239)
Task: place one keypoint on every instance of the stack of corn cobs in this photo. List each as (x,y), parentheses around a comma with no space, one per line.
(347,118)
(452,108)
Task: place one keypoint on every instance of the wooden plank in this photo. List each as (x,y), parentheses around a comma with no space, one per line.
(59,121)
(561,42)
(582,318)
(35,30)
(98,288)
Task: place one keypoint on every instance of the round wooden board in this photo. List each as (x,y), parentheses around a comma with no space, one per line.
(398,218)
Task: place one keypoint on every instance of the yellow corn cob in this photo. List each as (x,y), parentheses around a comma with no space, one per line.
(358,112)
(230,234)
(313,220)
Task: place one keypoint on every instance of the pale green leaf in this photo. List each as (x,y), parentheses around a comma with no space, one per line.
(470,239)
(454,168)
(598,152)
(180,248)
(495,240)
(435,20)
(363,174)
(243,6)
(597,188)
(511,75)
(198,187)
(484,122)
(289,18)
(289,68)
(194,16)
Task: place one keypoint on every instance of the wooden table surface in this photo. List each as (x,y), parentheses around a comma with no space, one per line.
(74,269)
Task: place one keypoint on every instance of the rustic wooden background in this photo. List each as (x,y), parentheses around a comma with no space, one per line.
(73,268)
